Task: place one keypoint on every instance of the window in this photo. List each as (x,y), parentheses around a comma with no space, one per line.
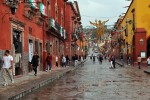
(133,23)
(56,11)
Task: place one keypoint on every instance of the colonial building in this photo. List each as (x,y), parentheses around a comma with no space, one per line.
(21,32)
(136,30)
(28,26)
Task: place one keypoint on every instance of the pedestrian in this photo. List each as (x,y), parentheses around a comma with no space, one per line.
(122,59)
(105,58)
(111,62)
(67,60)
(100,59)
(82,60)
(35,62)
(114,62)
(76,60)
(139,59)
(63,61)
(56,61)
(7,67)
(148,61)
(129,60)
(93,58)
(73,60)
(49,62)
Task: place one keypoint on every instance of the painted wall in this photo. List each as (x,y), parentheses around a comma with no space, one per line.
(142,20)
(130,31)
(143,15)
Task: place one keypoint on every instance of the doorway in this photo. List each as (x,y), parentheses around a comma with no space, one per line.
(17,52)
(148,47)
(40,55)
(30,45)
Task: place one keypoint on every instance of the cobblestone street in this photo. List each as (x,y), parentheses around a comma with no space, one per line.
(97,81)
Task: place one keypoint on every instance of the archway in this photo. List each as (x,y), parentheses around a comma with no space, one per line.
(148,47)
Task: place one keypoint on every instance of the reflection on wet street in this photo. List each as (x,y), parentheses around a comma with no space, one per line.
(97,82)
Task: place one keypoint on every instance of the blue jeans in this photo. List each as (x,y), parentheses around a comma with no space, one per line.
(50,66)
(122,61)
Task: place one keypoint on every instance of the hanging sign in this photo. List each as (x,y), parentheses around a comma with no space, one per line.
(52,23)
(43,9)
(34,4)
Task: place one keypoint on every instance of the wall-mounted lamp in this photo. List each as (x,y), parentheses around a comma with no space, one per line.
(13,4)
(141,41)
(129,21)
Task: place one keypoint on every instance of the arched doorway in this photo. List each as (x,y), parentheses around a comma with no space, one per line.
(148,47)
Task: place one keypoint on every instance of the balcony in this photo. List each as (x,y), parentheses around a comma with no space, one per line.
(54,28)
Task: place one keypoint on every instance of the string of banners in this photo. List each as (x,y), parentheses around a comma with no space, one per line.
(122,30)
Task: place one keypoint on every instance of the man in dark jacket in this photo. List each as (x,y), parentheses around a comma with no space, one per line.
(35,62)
(113,61)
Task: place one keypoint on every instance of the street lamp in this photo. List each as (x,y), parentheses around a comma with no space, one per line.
(13,8)
(13,4)
(141,41)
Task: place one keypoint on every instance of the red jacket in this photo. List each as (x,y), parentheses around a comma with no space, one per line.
(49,59)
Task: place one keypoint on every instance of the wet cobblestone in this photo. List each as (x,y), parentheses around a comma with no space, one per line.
(98,82)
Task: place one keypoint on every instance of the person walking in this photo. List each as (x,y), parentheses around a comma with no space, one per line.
(114,62)
(56,61)
(67,60)
(139,59)
(7,66)
(82,60)
(148,61)
(49,62)
(111,62)
(35,62)
(129,60)
(93,58)
(63,61)
(105,57)
(76,60)
(122,59)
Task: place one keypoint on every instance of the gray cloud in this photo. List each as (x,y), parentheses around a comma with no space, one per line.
(99,9)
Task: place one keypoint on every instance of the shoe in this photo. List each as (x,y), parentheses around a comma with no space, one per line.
(35,74)
(5,84)
(12,81)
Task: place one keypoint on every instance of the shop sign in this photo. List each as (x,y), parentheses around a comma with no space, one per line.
(43,9)
(33,4)
(52,23)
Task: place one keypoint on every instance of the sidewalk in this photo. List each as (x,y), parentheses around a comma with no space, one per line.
(143,67)
(30,83)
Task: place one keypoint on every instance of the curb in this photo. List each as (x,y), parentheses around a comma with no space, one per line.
(147,71)
(40,85)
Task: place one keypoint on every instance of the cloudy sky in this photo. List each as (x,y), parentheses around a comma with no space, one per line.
(101,10)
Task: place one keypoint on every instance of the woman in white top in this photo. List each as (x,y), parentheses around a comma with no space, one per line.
(56,61)
(7,66)
(148,61)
